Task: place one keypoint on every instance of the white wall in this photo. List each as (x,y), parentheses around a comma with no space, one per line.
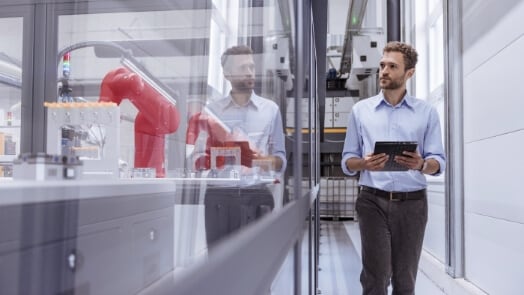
(493,140)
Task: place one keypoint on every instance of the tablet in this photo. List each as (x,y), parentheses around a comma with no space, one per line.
(393,148)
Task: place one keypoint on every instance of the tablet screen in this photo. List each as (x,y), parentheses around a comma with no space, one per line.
(393,148)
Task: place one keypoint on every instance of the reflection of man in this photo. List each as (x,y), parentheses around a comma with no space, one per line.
(242,116)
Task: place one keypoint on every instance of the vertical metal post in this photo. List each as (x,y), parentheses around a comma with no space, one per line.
(42,25)
(320,26)
(297,145)
(454,139)
(393,20)
(317,243)
(26,137)
(320,15)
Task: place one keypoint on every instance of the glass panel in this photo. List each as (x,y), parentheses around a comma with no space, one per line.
(429,28)
(11,39)
(436,51)
(143,61)
(171,119)
(164,139)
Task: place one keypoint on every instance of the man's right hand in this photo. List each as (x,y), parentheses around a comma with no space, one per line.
(370,162)
(373,162)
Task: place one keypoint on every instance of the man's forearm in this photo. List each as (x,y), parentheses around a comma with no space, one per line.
(277,163)
(355,164)
(431,167)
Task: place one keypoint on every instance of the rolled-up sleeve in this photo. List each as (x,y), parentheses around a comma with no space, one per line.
(278,141)
(433,148)
(352,144)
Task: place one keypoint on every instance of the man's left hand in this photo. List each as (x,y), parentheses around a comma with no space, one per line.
(412,160)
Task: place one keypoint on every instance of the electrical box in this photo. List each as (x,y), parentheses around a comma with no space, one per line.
(277,57)
(366,55)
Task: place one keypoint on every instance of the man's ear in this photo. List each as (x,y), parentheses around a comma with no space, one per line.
(410,72)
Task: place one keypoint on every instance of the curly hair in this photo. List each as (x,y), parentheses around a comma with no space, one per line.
(409,53)
(235,50)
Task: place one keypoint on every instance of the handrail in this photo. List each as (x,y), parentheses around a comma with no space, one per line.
(246,263)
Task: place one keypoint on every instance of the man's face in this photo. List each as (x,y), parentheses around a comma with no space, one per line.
(239,70)
(392,72)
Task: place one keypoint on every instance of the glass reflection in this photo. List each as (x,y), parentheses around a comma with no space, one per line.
(201,95)
(181,145)
(237,137)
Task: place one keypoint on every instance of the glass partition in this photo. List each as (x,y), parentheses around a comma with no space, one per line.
(166,135)
(189,111)
(428,32)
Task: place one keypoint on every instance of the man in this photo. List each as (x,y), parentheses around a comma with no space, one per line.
(392,206)
(241,117)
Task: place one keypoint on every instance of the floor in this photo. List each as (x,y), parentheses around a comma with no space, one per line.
(340,261)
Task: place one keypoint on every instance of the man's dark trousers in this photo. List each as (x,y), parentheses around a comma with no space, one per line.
(392,233)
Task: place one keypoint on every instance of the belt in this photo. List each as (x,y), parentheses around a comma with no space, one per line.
(395,196)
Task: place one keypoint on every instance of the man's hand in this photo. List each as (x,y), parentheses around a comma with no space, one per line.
(373,162)
(275,162)
(370,162)
(412,160)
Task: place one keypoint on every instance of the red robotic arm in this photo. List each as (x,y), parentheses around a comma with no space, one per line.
(156,116)
(216,136)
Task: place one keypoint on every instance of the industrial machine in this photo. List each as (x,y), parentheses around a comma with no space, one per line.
(156,104)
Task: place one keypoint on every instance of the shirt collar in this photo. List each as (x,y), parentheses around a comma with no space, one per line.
(407,101)
(254,101)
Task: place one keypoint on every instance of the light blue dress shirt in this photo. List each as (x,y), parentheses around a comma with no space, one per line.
(259,119)
(374,119)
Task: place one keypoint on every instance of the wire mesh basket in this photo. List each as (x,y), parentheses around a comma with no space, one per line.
(337,197)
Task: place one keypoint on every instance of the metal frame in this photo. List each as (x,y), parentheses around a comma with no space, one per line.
(455,139)
(393,20)
(27,92)
(319,13)
(297,144)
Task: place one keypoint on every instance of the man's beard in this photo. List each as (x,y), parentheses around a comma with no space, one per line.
(243,86)
(392,84)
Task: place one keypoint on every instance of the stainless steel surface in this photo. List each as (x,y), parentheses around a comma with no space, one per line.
(454,139)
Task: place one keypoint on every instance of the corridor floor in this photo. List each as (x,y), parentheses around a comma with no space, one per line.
(340,261)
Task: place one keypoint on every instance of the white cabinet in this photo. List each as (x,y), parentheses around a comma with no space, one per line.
(90,239)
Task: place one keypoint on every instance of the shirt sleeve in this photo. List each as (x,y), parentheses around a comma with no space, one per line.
(433,148)
(278,140)
(352,143)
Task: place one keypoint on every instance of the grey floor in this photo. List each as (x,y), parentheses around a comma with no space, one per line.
(340,261)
